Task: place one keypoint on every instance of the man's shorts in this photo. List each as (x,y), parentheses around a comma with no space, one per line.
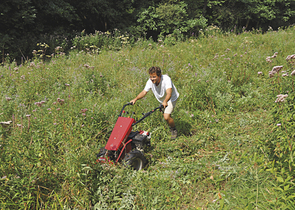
(169,109)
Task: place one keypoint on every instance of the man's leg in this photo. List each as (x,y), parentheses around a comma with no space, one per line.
(169,120)
(167,116)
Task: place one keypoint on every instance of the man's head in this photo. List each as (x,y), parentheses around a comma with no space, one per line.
(155,75)
(155,69)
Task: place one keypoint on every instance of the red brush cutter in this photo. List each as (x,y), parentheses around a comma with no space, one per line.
(127,145)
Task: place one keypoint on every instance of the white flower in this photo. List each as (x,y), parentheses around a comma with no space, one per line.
(281,98)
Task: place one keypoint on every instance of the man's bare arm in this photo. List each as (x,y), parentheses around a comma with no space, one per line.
(140,96)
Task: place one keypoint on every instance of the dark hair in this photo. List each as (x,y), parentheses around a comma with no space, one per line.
(155,69)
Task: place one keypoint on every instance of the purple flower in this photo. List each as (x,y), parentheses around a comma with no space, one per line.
(279,124)
(38,104)
(84,110)
(61,101)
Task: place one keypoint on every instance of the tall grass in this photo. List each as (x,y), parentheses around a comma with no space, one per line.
(63,110)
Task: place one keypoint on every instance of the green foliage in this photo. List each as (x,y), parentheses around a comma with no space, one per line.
(57,22)
(56,113)
(169,18)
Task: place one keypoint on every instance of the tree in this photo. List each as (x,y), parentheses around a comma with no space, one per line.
(167,18)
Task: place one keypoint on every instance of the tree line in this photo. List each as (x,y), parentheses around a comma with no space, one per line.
(27,22)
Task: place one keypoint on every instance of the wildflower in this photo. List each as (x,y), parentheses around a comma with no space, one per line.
(281,98)
(293,73)
(271,74)
(38,104)
(84,110)
(279,124)
(5,123)
(67,84)
(285,75)
(275,70)
(8,98)
(268,60)
(54,123)
(58,48)
(86,65)
(61,101)
(16,69)
(275,55)
(32,64)
(289,57)
(48,109)
(57,109)
(259,73)
(192,115)
(28,115)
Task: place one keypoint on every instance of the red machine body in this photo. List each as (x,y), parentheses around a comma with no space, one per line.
(120,133)
(125,144)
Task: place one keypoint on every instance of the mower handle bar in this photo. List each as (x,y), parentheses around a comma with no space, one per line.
(146,115)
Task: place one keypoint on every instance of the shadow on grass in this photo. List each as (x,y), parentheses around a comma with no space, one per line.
(184,128)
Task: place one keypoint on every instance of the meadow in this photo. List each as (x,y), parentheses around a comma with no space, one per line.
(234,149)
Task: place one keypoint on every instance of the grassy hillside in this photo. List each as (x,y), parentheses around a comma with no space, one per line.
(63,110)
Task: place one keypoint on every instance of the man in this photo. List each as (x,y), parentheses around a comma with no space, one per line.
(165,92)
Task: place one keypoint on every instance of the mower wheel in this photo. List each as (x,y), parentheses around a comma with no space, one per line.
(102,152)
(135,160)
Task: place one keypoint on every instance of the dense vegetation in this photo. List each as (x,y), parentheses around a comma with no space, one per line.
(235,118)
(56,22)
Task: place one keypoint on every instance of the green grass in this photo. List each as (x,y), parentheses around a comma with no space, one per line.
(223,114)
